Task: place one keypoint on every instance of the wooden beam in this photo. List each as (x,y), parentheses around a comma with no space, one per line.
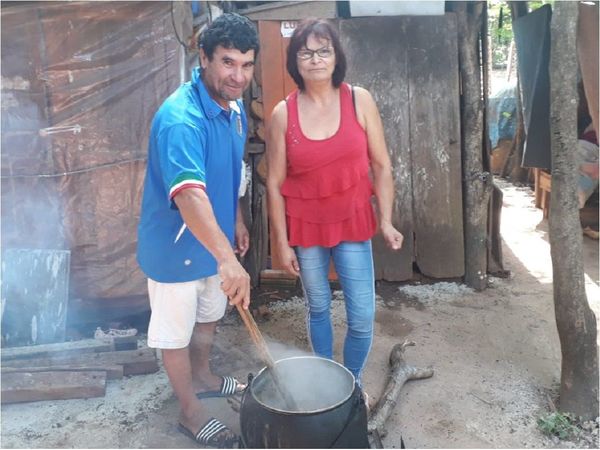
(113,372)
(61,349)
(57,349)
(477,182)
(134,362)
(35,386)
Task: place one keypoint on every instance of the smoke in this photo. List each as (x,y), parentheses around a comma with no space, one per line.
(312,383)
(35,263)
(32,214)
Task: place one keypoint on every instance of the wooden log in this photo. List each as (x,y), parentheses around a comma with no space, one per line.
(260,131)
(400,373)
(254,148)
(35,386)
(256,89)
(261,170)
(113,372)
(257,109)
(257,79)
(134,362)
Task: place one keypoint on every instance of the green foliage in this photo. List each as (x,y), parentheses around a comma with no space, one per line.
(532,6)
(500,31)
(500,28)
(558,424)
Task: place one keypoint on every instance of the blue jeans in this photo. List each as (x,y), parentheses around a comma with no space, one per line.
(354,265)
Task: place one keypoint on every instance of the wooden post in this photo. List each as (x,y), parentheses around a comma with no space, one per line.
(517,173)
(477,183)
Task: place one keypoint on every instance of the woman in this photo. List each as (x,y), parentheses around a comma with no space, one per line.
(324,138)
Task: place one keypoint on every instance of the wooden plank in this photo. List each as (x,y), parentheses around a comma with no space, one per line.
(277,277)
(124,343)
(35,386)
(495,257)
(35,294)
(272,83)
(435,145)
(292,10)
(113,372)
(134,362)
(273,65)
(56,349)
(289,85)
(379,64)
(259,233)
(111,343)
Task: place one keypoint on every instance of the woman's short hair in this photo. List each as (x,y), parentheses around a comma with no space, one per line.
(321,29)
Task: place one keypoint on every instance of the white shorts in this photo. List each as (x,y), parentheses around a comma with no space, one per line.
(176,307)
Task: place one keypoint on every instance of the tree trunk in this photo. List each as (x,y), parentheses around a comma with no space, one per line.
(517,172)
(476,182)
(574,319)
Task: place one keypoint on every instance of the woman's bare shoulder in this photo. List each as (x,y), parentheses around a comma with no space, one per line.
(279,114)
(280,109)
(362,94)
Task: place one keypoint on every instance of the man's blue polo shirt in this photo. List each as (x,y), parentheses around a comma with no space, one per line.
(194,143)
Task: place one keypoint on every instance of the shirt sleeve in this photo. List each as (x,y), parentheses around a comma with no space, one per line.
(182,154)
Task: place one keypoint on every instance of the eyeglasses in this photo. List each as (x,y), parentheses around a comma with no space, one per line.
(323,53)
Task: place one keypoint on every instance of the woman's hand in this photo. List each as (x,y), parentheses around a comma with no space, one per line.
(393,238)
(289,260)
(242,238)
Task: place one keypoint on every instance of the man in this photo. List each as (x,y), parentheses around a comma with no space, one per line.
(190,220)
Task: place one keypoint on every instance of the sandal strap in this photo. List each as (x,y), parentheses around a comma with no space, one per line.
(229,385)
(209,431)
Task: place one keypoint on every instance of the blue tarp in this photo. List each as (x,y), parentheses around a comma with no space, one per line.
(502,113)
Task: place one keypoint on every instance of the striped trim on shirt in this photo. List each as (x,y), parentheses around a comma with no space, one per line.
(184,181)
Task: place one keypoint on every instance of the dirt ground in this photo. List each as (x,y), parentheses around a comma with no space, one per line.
(495,354)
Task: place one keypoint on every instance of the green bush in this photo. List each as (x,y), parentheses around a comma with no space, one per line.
(558,424)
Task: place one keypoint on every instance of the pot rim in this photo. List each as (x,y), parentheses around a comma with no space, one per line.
(315,411)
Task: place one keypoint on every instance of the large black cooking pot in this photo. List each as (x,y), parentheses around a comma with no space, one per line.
(329,412)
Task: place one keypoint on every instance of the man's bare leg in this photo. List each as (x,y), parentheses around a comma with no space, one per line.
(179,369)
(200,348)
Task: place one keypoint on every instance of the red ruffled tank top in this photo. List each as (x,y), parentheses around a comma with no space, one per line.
(327,189)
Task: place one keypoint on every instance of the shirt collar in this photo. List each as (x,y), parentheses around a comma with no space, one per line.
(211,107)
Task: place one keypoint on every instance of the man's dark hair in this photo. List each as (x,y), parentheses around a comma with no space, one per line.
(321,29)
(229,30)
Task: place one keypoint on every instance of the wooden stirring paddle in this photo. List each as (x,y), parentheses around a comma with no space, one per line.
(266,357)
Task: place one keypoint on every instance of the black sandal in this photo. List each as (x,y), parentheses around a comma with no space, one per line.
(229,387)
(213,434)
